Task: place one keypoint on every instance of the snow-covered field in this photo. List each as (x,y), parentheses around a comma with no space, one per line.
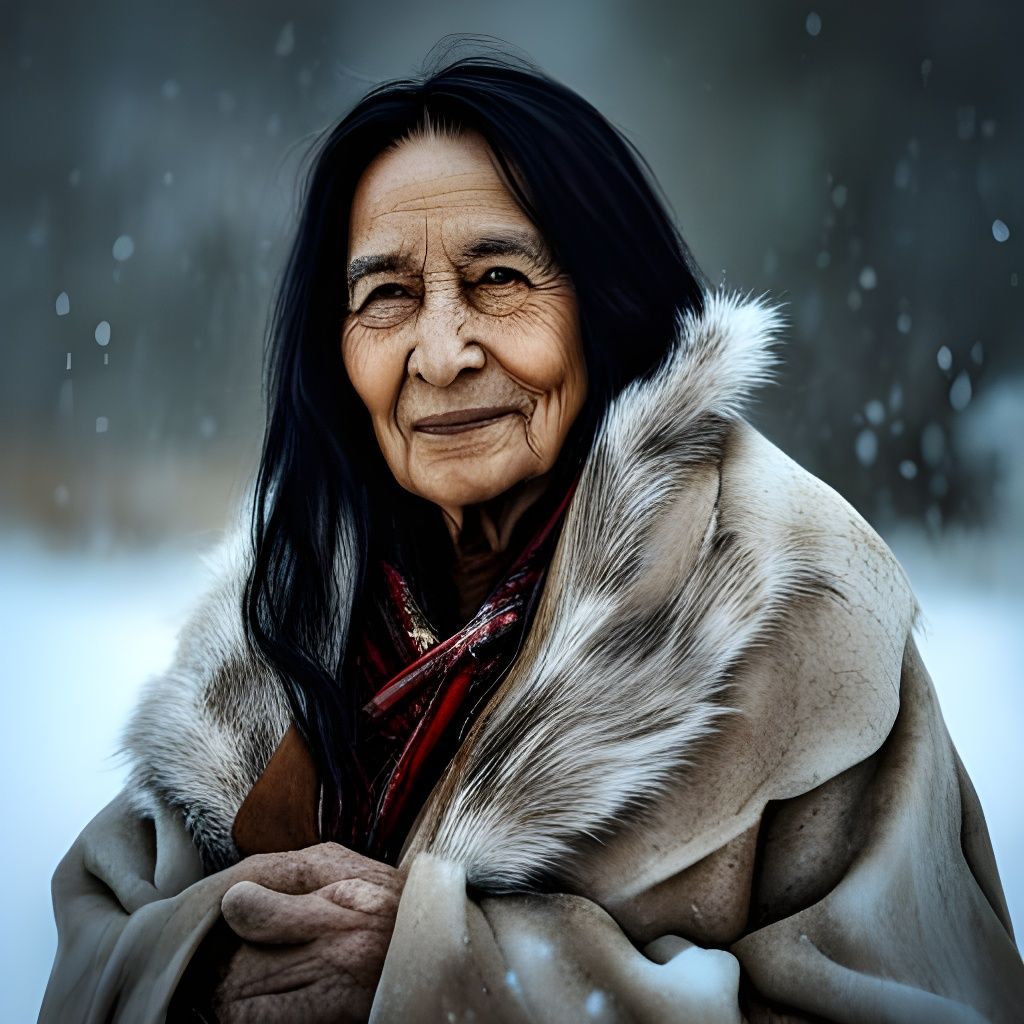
(83,632)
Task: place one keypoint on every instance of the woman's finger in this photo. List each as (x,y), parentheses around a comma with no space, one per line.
(284,986)
(258,914)
(305,871)
(264,985)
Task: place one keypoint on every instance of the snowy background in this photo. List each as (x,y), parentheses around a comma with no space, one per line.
(863,163)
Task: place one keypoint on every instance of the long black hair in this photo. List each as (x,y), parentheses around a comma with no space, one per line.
(596,203)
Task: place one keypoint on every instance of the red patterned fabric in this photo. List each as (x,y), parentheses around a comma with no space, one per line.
(424,692)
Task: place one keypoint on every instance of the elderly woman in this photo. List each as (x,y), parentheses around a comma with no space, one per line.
(534,684)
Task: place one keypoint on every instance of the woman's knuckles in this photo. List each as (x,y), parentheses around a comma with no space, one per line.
(304,871)
(365,897)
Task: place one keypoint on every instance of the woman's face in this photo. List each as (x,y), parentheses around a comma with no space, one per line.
(462,336)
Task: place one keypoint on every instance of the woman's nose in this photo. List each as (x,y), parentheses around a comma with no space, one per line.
(441,350)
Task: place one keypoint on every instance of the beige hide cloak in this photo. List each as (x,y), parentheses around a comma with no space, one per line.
(716,785)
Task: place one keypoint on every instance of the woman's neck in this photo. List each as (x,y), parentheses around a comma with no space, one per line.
(481,536)
(493,521)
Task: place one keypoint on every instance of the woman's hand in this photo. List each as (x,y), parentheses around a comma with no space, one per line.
(315,927)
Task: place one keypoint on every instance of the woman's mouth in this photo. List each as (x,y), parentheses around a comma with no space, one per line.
(461,420)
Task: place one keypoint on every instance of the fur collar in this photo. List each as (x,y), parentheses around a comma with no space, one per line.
(621,678)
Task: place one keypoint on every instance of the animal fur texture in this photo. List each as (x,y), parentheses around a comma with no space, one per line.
(619,682)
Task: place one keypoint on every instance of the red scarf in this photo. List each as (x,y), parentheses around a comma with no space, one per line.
(425,692)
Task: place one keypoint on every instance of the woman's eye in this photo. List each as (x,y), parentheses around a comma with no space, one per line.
(387,291)
(501,275)
(387,305)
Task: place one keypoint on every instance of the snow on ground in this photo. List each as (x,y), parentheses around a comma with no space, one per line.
(81,635)
(83,632)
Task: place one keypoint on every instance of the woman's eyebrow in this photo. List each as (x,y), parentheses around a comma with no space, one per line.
(514,244)
(383,263)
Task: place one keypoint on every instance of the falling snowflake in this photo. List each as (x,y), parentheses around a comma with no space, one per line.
(902,175)
(866,447)
(960,391)
(124,246)
(286,40)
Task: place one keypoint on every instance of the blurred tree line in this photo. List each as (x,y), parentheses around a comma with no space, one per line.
(861,163)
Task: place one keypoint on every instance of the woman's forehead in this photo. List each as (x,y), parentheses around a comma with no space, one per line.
(420,161)
(448,188)
(424,175)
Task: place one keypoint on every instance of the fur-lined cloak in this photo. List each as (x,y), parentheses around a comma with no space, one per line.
(715,782)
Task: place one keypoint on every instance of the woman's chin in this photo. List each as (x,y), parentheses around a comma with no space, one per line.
(466,497)
(467,488)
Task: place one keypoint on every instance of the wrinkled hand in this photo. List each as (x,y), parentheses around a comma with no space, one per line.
(315,927)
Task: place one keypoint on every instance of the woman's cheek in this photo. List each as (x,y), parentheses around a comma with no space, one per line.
(540,347)
(373,368)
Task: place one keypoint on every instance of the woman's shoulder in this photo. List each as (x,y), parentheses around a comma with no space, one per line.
(202,731)
(817,614)
(779,506)
(836,658)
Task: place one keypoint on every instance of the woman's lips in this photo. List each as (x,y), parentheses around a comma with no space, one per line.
(463,419)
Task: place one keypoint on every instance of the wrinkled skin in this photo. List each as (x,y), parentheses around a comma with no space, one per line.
(315,926)
(456,306)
